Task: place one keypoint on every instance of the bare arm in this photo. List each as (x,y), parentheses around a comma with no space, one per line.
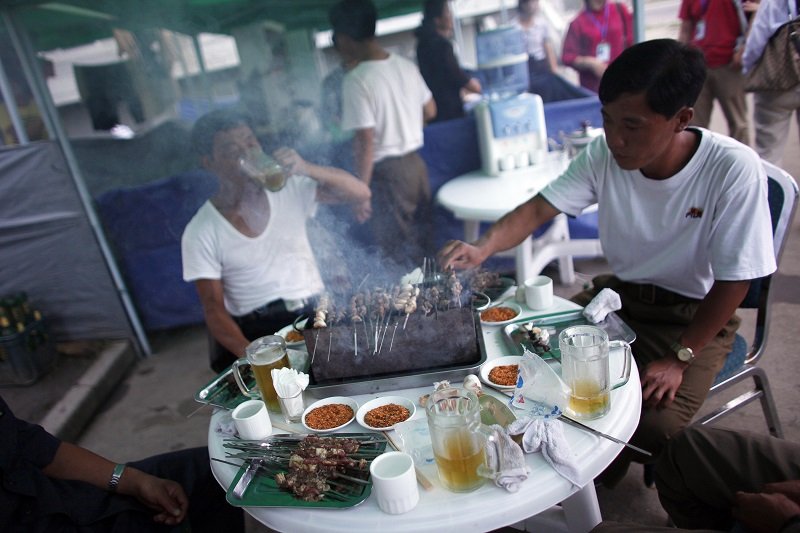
(662,377)
(429,110)
(506,233)
(550,54)
(219,322)
(472,86)
(164,496)
(336,184)
(686,31)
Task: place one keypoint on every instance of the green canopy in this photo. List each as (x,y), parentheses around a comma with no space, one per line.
(67,23)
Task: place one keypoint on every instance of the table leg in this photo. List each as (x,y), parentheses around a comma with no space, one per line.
(582,509)
(472,229)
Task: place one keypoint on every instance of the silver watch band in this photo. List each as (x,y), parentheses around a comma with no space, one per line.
(115,477)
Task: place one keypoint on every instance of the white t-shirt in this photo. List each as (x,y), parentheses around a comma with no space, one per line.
(387,95)
(254,271)
(709,221)
(535,36)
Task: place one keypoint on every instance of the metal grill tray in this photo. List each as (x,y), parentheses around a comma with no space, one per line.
(518,340)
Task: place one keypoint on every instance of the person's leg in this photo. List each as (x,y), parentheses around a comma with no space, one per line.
(772,113)
(730,94)
(702,468)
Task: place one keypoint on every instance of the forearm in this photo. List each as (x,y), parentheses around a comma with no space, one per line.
(516,226)
(685,32)
(226,332)
(76,463)
(713,313)
(363,152)
(338,184)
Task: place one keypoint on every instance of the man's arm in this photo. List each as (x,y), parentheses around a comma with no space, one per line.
(219,322)
(429,110)
(686,31)
(506,233)
(336,184)
(363,151)
(164,496)
(661,378)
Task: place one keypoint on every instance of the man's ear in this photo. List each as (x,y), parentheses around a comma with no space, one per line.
(684,117)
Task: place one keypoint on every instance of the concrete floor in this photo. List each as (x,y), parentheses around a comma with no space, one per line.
(152,409)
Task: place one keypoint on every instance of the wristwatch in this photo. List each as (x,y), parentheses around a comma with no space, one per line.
(682,352)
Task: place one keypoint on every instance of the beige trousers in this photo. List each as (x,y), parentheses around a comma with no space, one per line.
(726,85)
(772,113)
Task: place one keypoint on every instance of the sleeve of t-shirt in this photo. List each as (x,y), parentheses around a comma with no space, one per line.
(741,239)
(357,113)
(199,261)
(572,47)
(30,442)
(576,188)
(683,12)
(447,59)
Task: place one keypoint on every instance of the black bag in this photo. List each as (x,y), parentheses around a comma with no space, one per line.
(779,66)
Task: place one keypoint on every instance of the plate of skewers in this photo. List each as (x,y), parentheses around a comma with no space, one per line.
(299,470)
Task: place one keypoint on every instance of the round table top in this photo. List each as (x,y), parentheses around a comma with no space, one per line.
(485,509)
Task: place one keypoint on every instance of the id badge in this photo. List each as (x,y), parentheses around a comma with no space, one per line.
(603,52)
(700,31)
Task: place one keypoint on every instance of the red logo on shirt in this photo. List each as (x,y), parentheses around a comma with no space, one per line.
(694,212)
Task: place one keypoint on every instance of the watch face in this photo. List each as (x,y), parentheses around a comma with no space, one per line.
(685,354)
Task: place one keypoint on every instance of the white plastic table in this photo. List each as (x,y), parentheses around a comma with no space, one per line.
(478,197)
(489,507)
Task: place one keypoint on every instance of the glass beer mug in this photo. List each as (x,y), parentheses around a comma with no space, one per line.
(458,438)
(263,355)
(585,370)
(264,169)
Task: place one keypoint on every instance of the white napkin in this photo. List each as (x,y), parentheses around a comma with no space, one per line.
(505,462)
(605,302)
(225,426)
(288,382)
(545,435)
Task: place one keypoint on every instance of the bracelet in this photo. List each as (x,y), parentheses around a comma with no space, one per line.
(115,477)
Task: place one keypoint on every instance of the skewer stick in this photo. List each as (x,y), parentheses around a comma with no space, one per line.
(362,282)
(366,336)
(330,341)
(383,335)
(393,332)
(314,351)
(355,340)
(405,322)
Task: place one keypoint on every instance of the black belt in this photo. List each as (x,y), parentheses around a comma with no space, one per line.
(278,307)
(653,294)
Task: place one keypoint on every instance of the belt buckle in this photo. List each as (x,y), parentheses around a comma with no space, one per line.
(647,293)
(294,305)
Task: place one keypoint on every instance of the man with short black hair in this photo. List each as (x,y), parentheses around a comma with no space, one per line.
(684,223)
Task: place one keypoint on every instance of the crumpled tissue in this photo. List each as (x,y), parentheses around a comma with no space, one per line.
(288,382)
(605,302)
(505,462)
(542,433)
(225,426)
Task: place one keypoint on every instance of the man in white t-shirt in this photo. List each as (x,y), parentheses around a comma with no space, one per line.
(385,102)
(684,223)
(247,248)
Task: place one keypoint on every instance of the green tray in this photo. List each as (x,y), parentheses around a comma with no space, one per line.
(518,340)
(264,492)
(223,392)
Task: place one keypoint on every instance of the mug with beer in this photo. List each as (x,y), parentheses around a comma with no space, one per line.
(263,355)
(458,438)
(585,370)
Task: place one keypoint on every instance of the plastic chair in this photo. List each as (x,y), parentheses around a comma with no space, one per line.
(741,362)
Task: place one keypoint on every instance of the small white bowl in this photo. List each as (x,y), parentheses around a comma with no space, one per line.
(498,361)
(285,331)
(511,305)
(385,400)
(333,399)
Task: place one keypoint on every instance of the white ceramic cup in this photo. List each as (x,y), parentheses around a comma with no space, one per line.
(394,482)
(252,420)
(539,292)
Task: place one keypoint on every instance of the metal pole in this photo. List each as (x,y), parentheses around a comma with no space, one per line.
(24,50)
(638,21)
(11,107)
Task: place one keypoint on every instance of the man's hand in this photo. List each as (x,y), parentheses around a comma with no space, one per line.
(291,161)
(164,496)
(459,255)
(363,211)
(763,512)
(660,382)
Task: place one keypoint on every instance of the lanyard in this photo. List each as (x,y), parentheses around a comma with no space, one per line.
(703,8)
(602,27)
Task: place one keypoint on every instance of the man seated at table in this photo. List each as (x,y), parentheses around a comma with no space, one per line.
(247,248)
(50,485)
(684,223)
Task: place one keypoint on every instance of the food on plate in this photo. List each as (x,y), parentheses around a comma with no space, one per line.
(314,461)
(386,415)
(505,375)
(498,314)
(329,416)
(294,336)
(539,337)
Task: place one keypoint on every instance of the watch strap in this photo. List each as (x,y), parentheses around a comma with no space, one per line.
(115,477)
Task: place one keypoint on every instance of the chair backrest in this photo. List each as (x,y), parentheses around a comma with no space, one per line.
(782,196)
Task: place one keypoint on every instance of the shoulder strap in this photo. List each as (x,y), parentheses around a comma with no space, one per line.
(742,19)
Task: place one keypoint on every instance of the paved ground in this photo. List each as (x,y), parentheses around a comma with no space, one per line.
(148,411)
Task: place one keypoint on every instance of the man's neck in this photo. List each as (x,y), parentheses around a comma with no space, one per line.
(372,51)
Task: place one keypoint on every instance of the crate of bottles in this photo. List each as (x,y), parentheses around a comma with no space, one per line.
(26,350)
